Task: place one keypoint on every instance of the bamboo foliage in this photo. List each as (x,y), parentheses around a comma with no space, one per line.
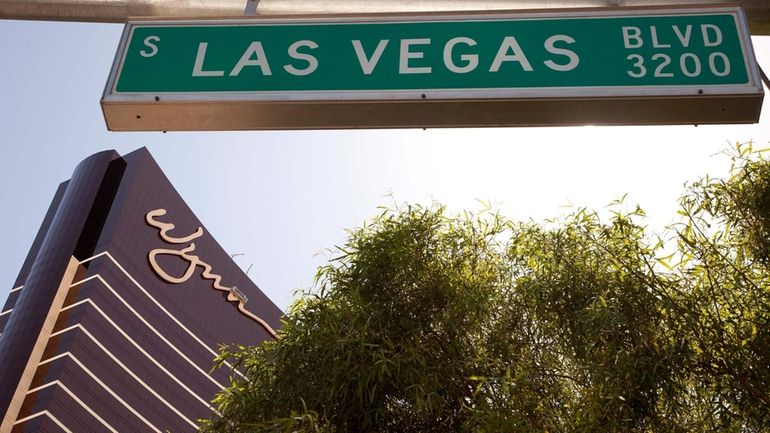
(426,322)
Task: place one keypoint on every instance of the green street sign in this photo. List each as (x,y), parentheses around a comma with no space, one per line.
(386,71)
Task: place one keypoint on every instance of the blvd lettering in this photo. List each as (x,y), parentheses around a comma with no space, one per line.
(664,64)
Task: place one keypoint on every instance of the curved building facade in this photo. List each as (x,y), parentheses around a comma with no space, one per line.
(120,307)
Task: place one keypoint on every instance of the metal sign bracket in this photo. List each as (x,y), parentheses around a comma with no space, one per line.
(251,7)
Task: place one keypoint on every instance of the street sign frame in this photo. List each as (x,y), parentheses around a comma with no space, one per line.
(434,107)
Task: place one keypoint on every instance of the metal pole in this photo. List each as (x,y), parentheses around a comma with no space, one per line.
(757,11)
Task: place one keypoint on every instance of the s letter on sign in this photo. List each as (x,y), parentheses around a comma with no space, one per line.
(599,66)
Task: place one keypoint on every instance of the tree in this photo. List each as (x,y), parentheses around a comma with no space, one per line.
(425,322)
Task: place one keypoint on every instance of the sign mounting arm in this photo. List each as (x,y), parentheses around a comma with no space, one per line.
(251,7)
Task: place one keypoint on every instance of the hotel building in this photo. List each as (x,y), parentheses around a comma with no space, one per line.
(120,307)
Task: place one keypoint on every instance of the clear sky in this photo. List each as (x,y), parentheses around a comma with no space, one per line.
(281,198)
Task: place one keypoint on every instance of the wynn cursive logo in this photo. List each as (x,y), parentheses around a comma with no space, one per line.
(233,294)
